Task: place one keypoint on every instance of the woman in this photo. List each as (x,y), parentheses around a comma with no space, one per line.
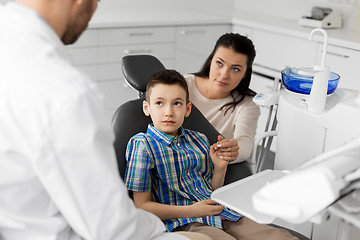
(221,92)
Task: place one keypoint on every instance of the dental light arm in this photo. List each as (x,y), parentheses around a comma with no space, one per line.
(310,189)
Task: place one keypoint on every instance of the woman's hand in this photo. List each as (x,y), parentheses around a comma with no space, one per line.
(206,208)
(227,149)
(218,161)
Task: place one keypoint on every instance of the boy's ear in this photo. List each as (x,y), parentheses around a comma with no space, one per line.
(188,109)
(146,108)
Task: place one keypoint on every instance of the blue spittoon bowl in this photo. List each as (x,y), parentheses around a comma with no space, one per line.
(299,83)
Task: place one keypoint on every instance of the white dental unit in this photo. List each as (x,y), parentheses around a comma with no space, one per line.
(311,123)
(317,161)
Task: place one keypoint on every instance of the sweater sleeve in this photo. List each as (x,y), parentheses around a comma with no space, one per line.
(245,128)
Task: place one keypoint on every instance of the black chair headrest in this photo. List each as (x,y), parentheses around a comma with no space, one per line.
(138,69)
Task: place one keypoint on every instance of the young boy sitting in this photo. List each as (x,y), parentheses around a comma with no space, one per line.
(172,171)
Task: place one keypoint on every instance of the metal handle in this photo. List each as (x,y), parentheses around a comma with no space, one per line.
(266,67)
(184,32)
(338,55)
(137,51)
(139,34)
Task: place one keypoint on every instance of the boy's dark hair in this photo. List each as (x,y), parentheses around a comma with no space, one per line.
(168,77)
(239,44)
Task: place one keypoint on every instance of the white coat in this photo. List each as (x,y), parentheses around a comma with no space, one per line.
(58,172)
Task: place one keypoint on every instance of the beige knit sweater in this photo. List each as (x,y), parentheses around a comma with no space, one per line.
(240,124)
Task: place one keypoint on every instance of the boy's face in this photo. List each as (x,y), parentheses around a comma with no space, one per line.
(167,107)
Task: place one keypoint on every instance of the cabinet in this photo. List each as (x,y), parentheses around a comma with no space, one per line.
(245,31)
(99,52)
(114,44)
(276,51)
(194,44)
(84,53)
(343,61)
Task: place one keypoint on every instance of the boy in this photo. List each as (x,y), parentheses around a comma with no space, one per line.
(172,171)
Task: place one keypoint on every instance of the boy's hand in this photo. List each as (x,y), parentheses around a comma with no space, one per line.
(227,149)
(206,208)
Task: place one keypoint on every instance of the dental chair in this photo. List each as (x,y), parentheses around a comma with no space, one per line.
(129,118)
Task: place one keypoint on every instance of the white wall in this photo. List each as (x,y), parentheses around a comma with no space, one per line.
(287,9)
(294,9)
(223,7)
(219,7)
(136,4)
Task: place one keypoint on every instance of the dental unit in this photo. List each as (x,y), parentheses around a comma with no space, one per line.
(317,161)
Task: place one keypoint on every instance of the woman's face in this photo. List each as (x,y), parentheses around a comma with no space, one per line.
(227,69)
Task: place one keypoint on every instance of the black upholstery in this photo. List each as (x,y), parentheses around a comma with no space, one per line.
(137,70)
(129,119)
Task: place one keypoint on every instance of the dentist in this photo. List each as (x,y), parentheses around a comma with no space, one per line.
(58,173)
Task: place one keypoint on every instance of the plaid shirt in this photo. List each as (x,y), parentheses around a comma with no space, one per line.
(176,169)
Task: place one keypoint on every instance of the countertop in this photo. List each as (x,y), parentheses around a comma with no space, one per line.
(150,18)
(340,37)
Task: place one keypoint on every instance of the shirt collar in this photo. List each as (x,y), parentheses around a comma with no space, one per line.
(163,137)
(38,23)
(23,9)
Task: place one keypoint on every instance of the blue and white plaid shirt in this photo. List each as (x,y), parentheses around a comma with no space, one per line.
(176,169)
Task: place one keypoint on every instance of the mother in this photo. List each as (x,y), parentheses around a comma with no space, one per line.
(221,92)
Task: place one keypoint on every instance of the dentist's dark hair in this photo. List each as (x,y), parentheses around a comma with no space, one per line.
(239,44)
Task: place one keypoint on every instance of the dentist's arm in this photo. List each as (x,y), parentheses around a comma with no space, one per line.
(80,174)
